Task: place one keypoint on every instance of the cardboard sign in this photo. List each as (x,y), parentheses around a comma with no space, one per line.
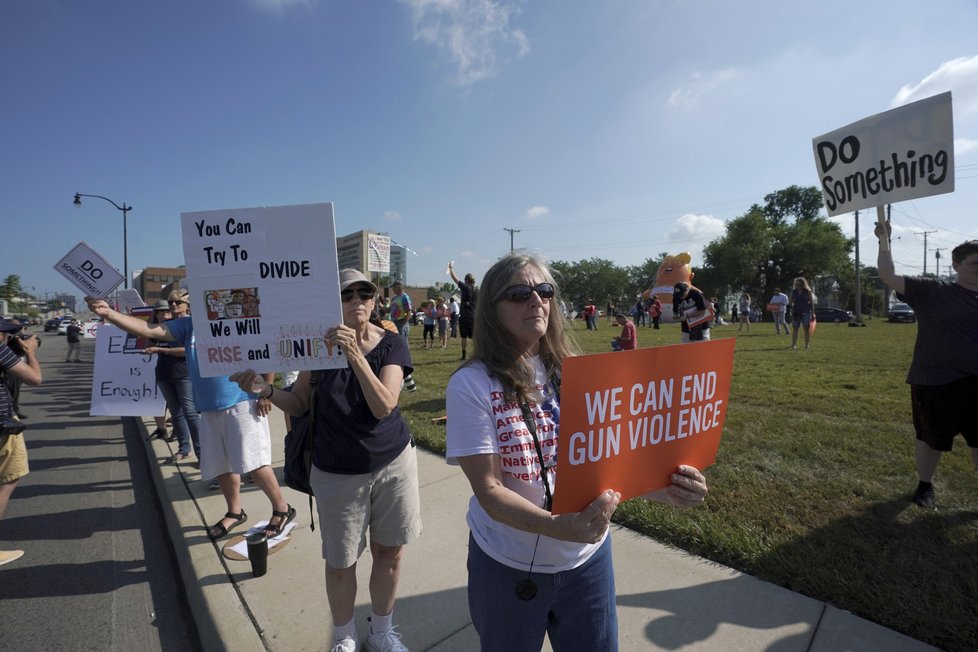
(89,271)
(775,307)
(378,253)
(123,384)
(695,317)
(264,288)
(629,419)
(893,156)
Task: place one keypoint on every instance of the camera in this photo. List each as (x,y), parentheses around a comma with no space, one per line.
(15,339)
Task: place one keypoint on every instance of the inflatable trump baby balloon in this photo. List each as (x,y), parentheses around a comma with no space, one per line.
(672,270)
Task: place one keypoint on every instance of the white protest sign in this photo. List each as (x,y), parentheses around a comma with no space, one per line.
(378,253)
(123,384)
(128,299)
(264,288)
(89,271)
(90,329)
(901,154)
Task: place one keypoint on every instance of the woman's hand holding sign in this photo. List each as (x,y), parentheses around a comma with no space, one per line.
(589,524)
(687,489)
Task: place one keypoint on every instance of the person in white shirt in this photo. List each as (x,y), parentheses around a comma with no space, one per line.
(780,300)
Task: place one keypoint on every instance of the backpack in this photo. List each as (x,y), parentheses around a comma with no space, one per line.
(298,449)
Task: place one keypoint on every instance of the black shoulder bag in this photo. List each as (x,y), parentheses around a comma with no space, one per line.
(298,449)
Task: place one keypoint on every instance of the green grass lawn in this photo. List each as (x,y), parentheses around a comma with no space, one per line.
(811,488)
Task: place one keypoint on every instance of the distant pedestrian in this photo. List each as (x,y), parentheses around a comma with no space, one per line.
(73,333)
(453,318)
(655,311)
(469,296)
(802,311)
(744,305)
(779,303)
(591,315)
(943,374)
(638,313)
(689,304)
(628,339)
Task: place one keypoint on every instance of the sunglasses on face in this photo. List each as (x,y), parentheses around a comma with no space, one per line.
(363,293)
(522,292)
(175,303)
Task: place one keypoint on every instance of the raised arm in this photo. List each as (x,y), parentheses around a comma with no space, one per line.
(128,323)
(884,260)
(451,272)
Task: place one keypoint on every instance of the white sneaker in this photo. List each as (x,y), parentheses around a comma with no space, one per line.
(7,556)
(389,641)
(345,644)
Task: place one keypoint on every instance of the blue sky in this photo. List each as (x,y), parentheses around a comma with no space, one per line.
(597,129)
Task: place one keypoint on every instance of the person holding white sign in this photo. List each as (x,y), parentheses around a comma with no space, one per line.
(531,573)
(234,434)
(364,469)
(690,304)
(943,374)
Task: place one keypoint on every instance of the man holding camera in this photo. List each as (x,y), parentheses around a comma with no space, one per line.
(18,359)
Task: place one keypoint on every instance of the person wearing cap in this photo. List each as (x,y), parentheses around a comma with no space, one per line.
(684,298)
(364,468)
(18,358)
(401,309)
(234,434)
(628,339)
(173,379)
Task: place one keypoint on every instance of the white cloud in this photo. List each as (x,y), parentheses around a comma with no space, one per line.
(700,86)
(468,253)
(393,216)
(476,34)
(536,212)
(960,76)
(964,145)
(693,232)
(278,6)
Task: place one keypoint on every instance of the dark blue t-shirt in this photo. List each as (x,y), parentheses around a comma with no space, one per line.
(349,439)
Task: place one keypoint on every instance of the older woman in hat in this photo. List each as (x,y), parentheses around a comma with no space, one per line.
(364,473)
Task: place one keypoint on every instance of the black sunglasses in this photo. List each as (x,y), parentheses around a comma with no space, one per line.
(522,292)
(364,294)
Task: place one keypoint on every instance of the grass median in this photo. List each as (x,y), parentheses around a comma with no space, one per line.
(811,488)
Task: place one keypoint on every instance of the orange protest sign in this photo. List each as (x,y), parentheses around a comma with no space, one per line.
(629,418)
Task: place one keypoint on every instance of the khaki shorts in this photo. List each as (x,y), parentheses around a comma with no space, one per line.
(386,501)
(13,458)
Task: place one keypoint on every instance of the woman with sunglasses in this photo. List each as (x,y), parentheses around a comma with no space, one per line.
(364,473)
(531,573)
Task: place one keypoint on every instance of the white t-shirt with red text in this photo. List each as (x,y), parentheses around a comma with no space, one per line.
(481,421)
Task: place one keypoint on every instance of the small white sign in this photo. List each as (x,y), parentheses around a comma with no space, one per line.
(123,384)
(378,253)
(89,271)
(901,154)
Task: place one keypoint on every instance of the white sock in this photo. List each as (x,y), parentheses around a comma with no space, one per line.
(380,624)
(348,630)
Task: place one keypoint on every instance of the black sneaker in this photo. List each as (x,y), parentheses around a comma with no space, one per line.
(924,495)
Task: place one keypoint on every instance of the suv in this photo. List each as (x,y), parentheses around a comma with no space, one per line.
(901,312)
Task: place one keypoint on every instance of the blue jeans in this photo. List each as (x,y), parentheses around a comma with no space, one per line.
(575,608)
(179,399)
(403,327)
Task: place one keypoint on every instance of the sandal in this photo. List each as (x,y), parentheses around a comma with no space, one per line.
(218,530)
(271,530)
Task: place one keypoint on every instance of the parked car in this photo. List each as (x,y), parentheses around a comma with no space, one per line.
(837,315)
(51,324)
(901,312)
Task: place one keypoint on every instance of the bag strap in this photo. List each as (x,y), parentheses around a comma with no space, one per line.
(308,445)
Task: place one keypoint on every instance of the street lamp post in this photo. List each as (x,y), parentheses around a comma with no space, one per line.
(125,237)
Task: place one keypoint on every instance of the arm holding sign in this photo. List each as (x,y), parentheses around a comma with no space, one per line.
(128,323)
(884,260)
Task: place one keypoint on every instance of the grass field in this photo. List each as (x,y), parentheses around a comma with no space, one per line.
(812,484)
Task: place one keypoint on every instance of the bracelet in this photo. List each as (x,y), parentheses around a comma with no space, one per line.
(271,390)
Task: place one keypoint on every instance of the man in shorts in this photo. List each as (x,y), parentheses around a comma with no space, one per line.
(234,434)
(18,358)
(943,375)
(466,315)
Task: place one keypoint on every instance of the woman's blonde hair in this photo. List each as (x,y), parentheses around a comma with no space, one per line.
(494,346)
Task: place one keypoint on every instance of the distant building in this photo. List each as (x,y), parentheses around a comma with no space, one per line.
(155,283)
(353,251)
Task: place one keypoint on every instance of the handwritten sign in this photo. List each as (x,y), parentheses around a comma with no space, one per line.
(124,384)
(901,154)
(378,253)
(264,288)
(89,271)
(628,419)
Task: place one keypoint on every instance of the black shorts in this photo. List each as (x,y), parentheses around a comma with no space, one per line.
(465,325)
(941,412)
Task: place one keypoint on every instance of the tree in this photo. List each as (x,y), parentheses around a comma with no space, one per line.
(769,246)
(595,278)
(10,290)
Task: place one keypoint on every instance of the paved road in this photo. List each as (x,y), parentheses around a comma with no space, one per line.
(99,572)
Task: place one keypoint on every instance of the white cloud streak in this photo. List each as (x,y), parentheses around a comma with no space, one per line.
(393,216)
(960,76)
(278,7)
(701,86)
(536,212)
(477,35)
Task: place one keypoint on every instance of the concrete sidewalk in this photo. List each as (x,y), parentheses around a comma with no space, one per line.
(667,599)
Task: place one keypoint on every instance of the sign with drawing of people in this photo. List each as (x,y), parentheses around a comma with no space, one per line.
(264,288)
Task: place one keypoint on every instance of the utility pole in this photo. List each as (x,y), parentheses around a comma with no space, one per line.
(937,261)
(511,232)
(925,233)
(859,289)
